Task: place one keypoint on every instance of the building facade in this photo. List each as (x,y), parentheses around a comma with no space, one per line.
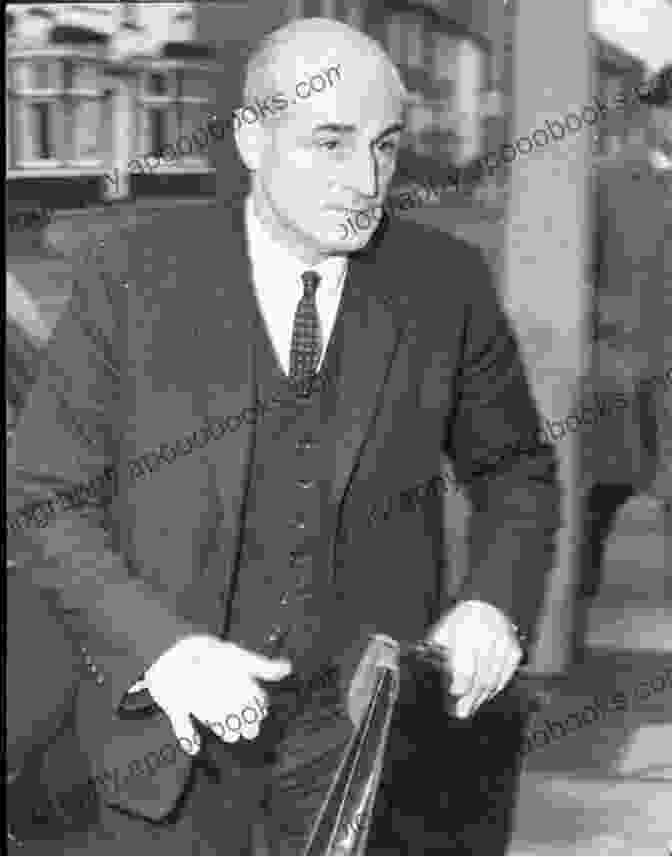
(91,88)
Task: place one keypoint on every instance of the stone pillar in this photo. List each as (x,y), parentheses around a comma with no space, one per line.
(468,100)
(122,114)
(544,283)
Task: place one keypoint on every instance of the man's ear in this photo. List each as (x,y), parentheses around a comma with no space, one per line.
(251,140)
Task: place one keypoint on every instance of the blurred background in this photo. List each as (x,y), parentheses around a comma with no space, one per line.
(93,86)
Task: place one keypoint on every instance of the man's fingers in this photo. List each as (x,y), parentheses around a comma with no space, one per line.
(185,733)
(245,722)
(464,668)
(250,730)
(493,662)
(494,670)
(471,701)
(223,731)
(487,673)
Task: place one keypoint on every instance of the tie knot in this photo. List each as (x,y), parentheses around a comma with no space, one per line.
(310,280)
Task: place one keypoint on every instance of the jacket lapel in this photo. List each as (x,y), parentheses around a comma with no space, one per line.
(372,337)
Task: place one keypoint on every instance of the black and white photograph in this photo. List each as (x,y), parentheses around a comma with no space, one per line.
(338,427)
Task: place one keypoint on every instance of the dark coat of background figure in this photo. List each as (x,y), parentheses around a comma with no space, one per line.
(432,362)
(628,450)
(632,275)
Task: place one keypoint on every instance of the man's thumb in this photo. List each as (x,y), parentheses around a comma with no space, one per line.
(268,669)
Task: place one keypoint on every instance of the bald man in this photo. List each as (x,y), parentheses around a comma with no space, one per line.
(268,388)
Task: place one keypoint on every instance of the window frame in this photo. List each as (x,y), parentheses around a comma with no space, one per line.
(23,94)
(173,105)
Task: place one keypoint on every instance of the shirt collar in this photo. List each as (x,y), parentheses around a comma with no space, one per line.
(262,246)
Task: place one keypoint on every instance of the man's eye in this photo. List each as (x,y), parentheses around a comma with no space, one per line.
(389,147)
(329,145)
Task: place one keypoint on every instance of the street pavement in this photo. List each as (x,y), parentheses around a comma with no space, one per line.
(606,788)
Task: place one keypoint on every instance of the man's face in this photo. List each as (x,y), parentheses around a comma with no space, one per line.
(331,156)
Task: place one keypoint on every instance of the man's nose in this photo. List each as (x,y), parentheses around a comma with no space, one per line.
(363,174)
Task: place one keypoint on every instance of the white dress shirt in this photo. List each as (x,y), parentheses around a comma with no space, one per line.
(277,282)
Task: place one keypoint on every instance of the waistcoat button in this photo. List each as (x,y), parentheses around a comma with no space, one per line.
(306,442)
(274,636)
(305,483)
(298,558)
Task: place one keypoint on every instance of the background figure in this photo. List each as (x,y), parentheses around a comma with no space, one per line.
(625,452)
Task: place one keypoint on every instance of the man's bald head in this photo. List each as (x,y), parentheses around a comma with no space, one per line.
(320,133)
(307,47)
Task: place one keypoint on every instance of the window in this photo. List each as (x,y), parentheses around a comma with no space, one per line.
(86,129)
(41,77)
(192,84)
(84,76)
(157,84)
(193,117)
(175,103)
(55,111)
(42,127)
(129,13)
(68,75)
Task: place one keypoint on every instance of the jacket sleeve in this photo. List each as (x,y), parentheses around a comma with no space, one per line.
(500,455)
(64,472)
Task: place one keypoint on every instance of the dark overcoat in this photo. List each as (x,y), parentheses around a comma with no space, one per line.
(632,333)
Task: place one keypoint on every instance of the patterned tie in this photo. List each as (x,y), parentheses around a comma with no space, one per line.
(306,339)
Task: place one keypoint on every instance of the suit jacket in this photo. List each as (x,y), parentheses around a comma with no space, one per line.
(41,672)
(156,341)
(632,276)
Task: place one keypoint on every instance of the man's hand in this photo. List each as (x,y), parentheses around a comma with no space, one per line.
(213,681)
(483,652)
